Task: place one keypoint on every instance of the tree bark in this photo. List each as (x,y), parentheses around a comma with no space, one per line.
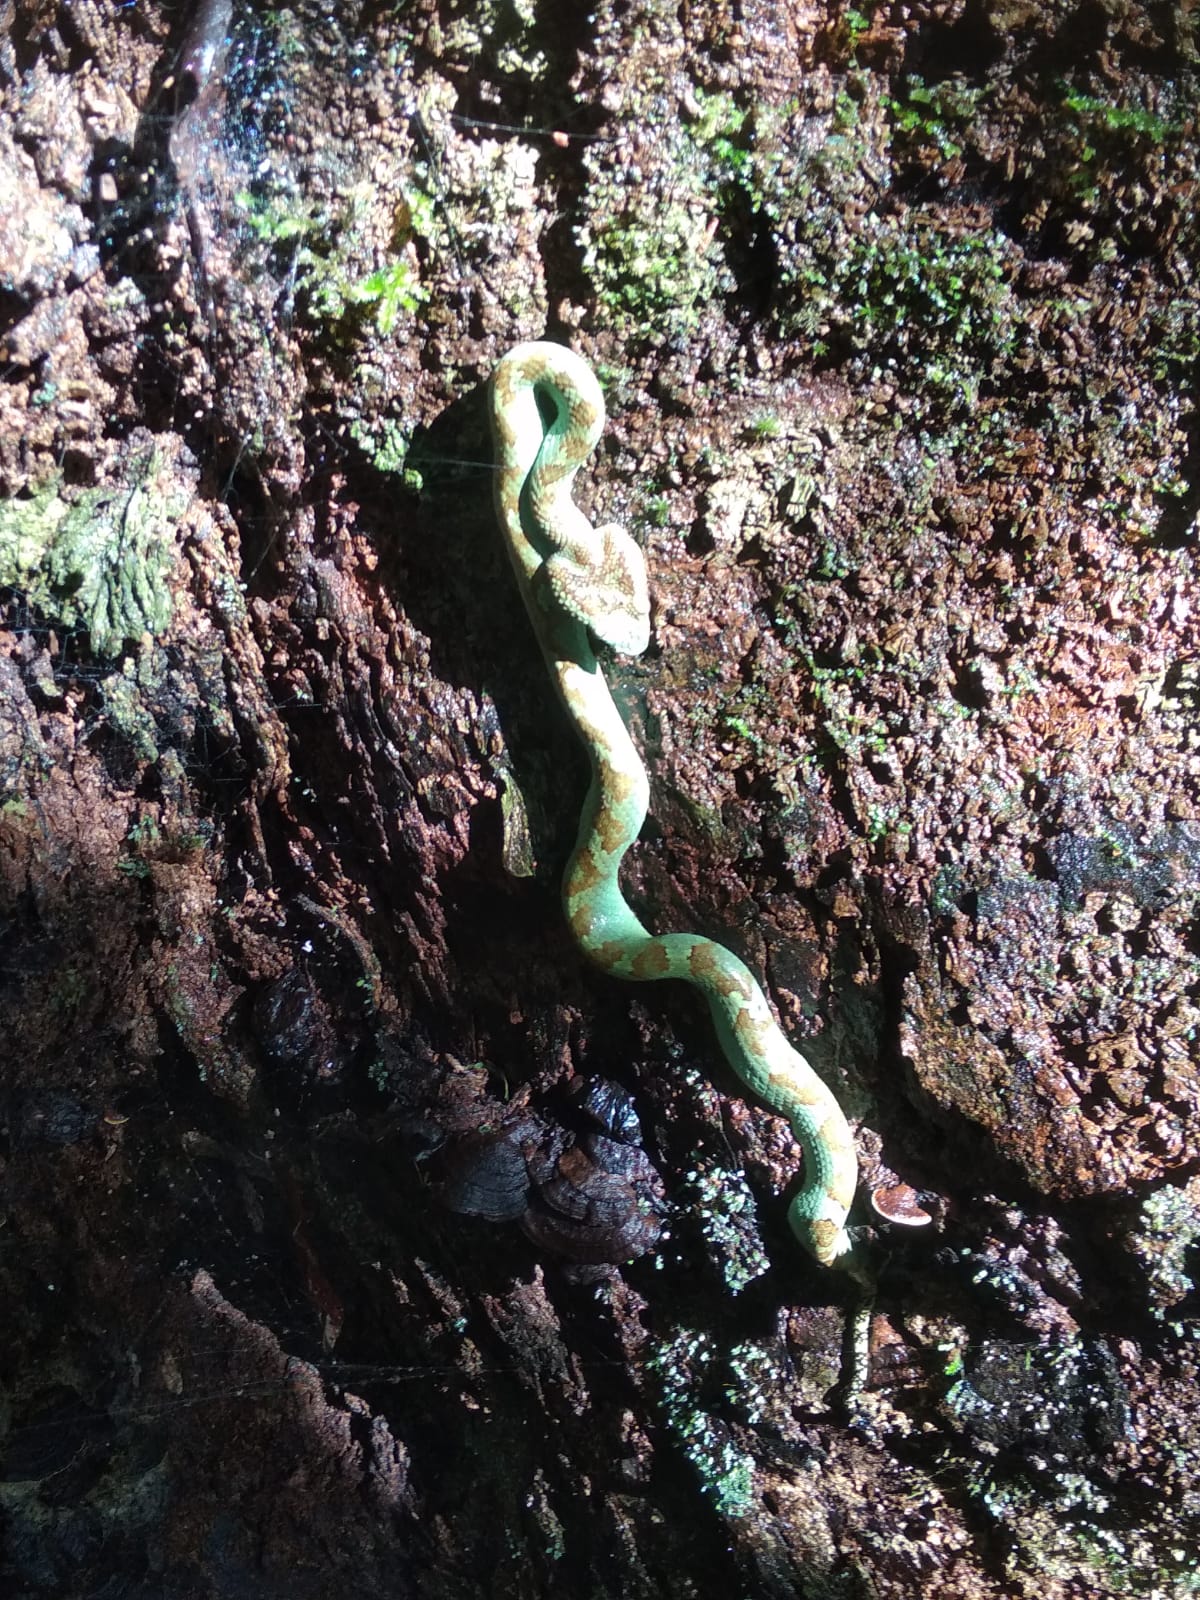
(357,1235)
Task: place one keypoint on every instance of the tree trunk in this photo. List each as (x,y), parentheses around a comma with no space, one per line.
(360,1237)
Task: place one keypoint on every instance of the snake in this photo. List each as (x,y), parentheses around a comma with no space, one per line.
(582,584)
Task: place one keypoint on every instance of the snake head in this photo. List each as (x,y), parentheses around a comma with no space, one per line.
(610,594)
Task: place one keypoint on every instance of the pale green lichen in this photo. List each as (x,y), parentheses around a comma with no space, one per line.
(1043,1419)
(896,292)
(752,1384)
(1167,1230)
(325,248)
(649,248)
(99,561)
(127,695)
(678,1372)
(727,1215)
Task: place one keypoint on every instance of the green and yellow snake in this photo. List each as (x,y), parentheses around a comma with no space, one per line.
(547,414)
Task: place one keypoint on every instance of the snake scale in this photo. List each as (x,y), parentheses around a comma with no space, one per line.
(547,414)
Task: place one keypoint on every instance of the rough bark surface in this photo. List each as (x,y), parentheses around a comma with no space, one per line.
(357,1239)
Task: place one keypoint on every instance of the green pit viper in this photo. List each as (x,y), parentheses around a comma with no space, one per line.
(578,580)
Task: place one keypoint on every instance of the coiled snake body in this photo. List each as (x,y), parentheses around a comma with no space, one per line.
(577,579)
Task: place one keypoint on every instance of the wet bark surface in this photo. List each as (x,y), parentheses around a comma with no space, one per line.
(356,1236)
